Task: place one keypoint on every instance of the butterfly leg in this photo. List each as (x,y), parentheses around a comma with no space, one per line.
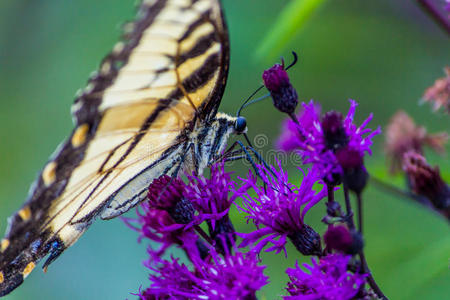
(234,157)
(249,157)
(227,153)
(259,157)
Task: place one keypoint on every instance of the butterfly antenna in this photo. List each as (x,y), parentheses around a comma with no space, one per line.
(248,99)
(256,100)
(258,155)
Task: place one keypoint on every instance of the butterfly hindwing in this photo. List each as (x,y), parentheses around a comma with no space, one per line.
(131,124)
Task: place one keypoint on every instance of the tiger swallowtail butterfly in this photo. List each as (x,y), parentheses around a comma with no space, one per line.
(150,109)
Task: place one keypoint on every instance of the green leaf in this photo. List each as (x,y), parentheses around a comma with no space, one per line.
(289,23)
(419,271)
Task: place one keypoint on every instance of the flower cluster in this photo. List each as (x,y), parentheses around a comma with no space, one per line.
(403,135)
(211,197)
(193,214)
(279,209)
(330,142)
(405,144)
(172,216)
(228,276)
(328,278)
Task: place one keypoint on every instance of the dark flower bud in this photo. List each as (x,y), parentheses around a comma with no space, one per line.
(158,219)
(333,179)
(426,181)
(333,130)
(355,174)
(358,243)
(202,249)
(182,212)
(166,193)
(223,233)
(284,96)
(307,241)
(340,238)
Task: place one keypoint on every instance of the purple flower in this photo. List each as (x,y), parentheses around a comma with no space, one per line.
(174,209)
(356,134)
(317,139)
(158,226)
(284,95)
(231,276)
(171,280)
(328,278)
(212,198)
(293,137)
(278,211)
(166,218)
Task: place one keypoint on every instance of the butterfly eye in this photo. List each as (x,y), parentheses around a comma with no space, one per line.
(240,125)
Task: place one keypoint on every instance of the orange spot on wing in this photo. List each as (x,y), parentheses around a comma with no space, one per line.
(4,244)
(25,213)
(28,269)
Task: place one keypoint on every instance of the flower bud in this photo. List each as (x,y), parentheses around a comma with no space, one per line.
(355,174)
(182,212)
(203,250)
(426,181)
(284,96)
(223,233)
(340,238)
(307,241)
(333,130)
(166,193)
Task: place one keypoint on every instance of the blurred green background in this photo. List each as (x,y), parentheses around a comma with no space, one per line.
(382,53)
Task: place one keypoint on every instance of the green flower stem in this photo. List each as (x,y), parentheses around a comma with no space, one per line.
(362,257)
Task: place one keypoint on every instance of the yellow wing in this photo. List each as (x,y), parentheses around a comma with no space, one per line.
(131,126)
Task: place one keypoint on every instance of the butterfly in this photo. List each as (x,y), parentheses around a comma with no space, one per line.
(149,110)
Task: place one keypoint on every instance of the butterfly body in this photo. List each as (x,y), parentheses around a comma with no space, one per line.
(150,110)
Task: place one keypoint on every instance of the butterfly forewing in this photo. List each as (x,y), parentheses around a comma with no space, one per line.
(131,124)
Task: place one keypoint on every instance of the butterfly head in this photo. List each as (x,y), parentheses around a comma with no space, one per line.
(240,125)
